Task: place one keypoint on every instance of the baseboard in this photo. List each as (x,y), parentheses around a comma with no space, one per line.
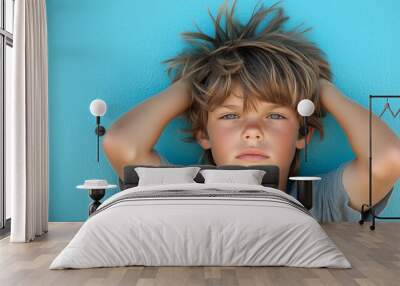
(5,231)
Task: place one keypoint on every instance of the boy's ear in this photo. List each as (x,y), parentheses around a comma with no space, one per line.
(203,140)
(300,143)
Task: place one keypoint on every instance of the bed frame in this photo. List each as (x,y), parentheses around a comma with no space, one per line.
(270,179)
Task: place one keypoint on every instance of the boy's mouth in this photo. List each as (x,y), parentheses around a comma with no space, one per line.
(252,157)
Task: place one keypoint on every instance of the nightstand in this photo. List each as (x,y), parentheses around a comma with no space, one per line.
(97,190)
(305,190)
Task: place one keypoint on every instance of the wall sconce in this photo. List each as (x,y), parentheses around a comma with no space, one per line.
(305,108)
(98,108)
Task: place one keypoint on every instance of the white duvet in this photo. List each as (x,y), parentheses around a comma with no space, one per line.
(182,231)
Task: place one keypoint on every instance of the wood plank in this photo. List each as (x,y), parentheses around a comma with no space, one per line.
(374,255)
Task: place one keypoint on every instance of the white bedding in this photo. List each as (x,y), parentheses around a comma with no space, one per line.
(181,231)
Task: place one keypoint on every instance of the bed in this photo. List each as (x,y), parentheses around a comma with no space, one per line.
(201,223)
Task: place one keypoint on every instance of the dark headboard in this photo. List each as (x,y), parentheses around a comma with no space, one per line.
(270,179)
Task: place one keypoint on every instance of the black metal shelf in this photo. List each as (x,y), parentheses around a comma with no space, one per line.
(370,206)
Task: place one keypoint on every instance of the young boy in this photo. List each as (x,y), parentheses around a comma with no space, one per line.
(239,91)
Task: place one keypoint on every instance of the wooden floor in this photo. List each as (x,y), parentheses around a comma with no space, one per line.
(374,255)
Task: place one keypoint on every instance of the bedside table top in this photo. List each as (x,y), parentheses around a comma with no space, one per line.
(300,178)
(96,187)
(96,184)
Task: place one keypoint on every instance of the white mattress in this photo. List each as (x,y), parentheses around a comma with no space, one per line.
(183,231)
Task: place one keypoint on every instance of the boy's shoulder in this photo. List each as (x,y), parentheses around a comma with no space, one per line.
(163,160)
(331,200)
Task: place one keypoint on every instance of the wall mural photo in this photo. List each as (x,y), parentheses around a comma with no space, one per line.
(229,142)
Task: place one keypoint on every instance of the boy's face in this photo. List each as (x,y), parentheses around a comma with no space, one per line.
(271,131)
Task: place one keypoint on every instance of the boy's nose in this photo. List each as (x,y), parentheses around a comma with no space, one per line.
(253,134)
(258,137)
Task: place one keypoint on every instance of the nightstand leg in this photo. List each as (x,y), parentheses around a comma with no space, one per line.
(96,195)
(305,193)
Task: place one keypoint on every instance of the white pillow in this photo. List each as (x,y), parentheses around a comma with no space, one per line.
(249,177)
(162,176)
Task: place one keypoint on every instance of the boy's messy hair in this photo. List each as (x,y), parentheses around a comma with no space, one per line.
(271,65)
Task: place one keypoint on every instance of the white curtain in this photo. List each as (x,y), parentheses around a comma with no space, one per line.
(27,123)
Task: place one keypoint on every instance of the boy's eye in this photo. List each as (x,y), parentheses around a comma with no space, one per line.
(228,116)
(234,116)
(276,116)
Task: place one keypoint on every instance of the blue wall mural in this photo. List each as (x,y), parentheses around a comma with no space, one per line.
(113,50)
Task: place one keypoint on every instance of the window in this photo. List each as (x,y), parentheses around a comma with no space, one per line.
(6,45)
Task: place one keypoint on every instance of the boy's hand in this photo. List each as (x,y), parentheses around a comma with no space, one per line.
(323,82)
(182,83)
(324,86)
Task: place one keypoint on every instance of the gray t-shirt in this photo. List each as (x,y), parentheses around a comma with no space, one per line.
(330,199)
